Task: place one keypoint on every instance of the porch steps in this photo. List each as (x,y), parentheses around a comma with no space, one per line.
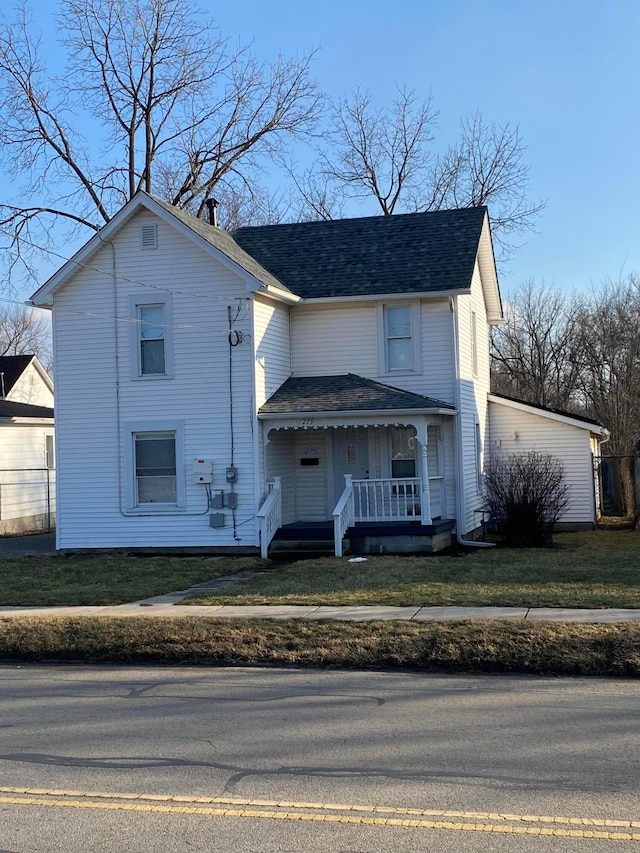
(365,537)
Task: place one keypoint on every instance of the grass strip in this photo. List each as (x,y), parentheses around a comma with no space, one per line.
(48,580)
(541,648)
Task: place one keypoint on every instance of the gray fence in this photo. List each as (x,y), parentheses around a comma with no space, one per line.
(27,500)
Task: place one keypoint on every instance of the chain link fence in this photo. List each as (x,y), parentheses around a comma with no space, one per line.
(27,500)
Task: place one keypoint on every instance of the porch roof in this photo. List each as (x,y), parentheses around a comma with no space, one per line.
(346,393)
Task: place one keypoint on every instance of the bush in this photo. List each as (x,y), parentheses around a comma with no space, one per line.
(526,495)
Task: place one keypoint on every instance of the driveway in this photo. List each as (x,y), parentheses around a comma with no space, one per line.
(23,546)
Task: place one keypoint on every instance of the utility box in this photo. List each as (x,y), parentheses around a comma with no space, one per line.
(203,471)
(232,474)
(217,500)
(232,500)
(216,519)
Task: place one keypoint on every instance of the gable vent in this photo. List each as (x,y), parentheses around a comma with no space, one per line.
(149,236)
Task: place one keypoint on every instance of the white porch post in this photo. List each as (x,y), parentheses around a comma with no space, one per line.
(425,503)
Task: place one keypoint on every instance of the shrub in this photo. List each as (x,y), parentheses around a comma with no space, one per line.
(526,495)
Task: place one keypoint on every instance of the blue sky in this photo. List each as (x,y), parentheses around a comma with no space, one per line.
(566,72)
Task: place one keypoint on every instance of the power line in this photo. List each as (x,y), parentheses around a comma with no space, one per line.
(119,277)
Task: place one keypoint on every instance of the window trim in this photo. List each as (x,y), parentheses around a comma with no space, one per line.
(416,337)
(474,343)
(133,428)
(479,457)
(49,451)
(136,302)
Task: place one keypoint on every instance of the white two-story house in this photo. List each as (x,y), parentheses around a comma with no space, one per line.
(324,380)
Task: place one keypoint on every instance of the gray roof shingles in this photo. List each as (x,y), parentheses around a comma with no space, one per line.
(404,253)
(12,367)
(346,393)
(9,409)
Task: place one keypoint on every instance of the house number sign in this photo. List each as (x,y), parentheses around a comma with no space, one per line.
(311,450)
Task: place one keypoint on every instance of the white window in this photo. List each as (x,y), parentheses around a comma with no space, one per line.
(474,342)
(151,338)
(403,452)
(399,337)
(155,469)
(49,453)
(479,457)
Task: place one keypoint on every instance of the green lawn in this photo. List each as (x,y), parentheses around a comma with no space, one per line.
(591,569)
(105,579)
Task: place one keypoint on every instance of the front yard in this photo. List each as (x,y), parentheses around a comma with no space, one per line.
(592,569)
(45,581)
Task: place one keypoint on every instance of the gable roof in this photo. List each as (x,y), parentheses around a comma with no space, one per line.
(9,409)
(223,240)
(11,369)
(346,393)
(409,253)
(403,253)
(215,241)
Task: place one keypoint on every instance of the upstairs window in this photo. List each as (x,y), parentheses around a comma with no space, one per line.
(152,344)
(151,339)
(398,327)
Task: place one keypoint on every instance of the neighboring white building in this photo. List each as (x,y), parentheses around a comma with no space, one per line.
(212,388)
(27,457)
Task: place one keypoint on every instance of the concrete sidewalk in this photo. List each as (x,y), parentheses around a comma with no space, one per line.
(313,612)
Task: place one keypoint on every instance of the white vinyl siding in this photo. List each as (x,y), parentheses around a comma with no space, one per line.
(27,485)
(474,388)
(516,431)
(96,394)
(331,340)
(272,347)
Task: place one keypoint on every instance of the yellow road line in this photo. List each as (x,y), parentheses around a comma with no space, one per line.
(457,826)
(292,804)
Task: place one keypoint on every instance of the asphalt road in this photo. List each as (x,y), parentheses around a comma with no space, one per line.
(279,751)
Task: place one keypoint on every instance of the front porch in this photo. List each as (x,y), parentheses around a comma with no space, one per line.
(399,537)
(345,451)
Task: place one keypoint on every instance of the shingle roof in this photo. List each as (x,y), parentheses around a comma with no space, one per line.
(9,409)
(347,393)
(12,367)
(224,241)
(563,412)
(405,253)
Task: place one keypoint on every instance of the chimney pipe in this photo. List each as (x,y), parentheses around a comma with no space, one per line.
(212,204)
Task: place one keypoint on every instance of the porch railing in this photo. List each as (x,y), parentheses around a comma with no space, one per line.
(270,516)
(388,499)
(343,515)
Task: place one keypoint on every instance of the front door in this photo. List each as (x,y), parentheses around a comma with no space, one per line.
(310,475)
(350,456)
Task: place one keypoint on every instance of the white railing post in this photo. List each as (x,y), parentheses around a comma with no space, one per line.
(343,515)
(270,516)
(426,491)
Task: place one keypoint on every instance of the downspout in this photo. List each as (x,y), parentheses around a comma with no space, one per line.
(457,434)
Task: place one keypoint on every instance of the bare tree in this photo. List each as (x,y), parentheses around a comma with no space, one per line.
(536,353)
(610,375)
(168,97)
(25,331)
(386,154)
(371,152)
